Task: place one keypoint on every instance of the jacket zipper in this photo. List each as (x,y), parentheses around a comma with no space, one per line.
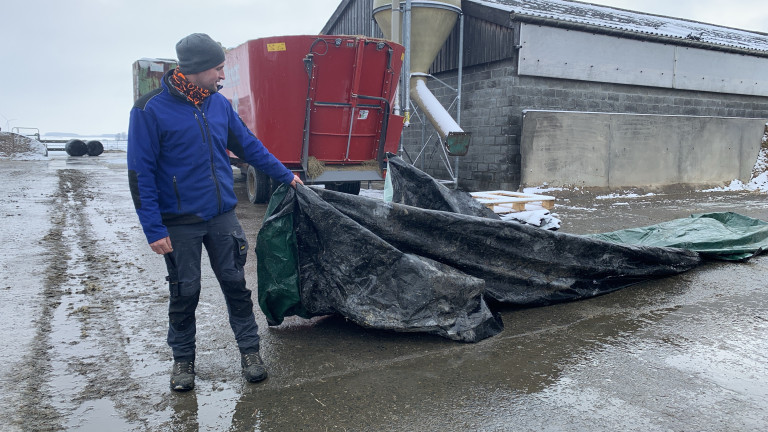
(176,190)
(206,132)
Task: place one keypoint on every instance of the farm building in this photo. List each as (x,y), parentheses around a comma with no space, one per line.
(567,93)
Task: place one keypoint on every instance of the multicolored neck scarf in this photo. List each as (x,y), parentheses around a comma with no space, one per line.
(194,94)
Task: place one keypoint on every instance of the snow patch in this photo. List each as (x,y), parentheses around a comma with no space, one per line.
(540,218)
(623,195)
(759,181)
(372,193)
(638,22)
(542,189)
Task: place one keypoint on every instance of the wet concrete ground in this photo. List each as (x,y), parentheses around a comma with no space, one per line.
(83,303)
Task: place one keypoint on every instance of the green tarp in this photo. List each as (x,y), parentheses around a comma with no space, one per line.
(724,236)
(277,264)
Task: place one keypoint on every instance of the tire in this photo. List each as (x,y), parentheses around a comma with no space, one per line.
(259,187)
(352,188)
(76,147)
(95,148)
(243,176)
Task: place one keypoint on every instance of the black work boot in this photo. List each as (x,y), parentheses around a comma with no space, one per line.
(253,367)
(183,376)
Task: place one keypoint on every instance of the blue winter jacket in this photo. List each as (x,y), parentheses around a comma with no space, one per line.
(178,168)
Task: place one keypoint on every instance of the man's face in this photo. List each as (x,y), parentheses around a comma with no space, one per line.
(208,79)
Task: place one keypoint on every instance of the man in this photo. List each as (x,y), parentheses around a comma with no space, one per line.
(182,186)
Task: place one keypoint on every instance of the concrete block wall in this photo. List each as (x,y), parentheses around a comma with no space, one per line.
(494,96)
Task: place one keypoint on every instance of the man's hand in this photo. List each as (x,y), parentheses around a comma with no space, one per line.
(162,246)
(296,180)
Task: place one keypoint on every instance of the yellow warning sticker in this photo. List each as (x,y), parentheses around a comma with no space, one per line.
(280,46)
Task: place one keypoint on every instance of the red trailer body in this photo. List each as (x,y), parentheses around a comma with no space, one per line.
(324,99)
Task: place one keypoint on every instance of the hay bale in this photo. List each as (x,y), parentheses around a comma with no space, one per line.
(314,167)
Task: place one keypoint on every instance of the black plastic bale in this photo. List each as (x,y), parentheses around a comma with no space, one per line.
(95,148)
(76,147)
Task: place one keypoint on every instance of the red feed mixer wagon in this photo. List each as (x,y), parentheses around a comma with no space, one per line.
(323,105)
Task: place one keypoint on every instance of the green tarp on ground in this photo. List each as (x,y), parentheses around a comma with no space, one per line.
(724,236)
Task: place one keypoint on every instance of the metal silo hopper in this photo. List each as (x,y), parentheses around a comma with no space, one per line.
(431,24)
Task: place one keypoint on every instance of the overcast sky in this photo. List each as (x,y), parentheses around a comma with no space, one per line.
(65,66)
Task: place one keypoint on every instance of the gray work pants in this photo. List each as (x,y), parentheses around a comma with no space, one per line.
(227,249)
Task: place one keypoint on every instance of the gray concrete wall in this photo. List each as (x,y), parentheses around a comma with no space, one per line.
(495,96)
(622,150)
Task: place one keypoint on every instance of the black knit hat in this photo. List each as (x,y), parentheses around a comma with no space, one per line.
(198,52)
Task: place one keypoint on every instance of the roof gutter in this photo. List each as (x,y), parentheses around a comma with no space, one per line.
(590,28)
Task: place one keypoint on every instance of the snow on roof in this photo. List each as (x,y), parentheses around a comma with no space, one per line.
(643,23)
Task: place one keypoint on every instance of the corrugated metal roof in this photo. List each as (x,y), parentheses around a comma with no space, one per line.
(637,22)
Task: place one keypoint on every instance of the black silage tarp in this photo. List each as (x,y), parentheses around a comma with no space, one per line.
(345,269)
(521,265)
(413,187)
(405,268)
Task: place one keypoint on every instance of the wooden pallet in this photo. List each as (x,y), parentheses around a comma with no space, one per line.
(501,201)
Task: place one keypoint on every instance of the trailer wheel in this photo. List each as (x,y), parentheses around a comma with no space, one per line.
(243,169)
(352,188)
(259,188)
(95,148)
